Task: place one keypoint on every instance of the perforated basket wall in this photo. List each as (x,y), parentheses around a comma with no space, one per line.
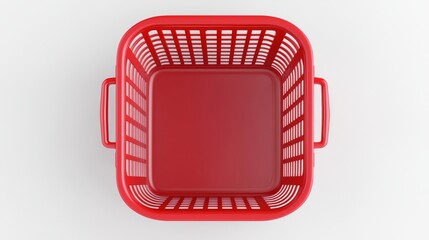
(227,42)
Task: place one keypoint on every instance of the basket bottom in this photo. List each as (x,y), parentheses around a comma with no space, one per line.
(214,132)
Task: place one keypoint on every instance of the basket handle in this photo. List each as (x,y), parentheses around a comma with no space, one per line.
(104,113)
(325,112)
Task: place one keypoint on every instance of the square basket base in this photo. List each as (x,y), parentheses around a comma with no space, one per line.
(214,131)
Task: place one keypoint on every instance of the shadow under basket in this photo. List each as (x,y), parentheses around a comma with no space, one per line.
(214,117)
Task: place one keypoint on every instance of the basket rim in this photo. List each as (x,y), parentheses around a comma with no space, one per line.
(216,20)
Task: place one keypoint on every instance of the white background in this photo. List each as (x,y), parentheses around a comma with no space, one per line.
(58,182)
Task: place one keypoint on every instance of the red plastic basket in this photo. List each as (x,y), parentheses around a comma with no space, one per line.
(214,117)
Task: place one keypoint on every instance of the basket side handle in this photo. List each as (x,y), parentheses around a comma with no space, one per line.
(104,113)
(325,112)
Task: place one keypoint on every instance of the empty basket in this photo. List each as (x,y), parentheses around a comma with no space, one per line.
(214,117)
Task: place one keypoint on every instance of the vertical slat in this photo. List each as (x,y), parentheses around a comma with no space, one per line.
(293,63)
(274,47)
(206,203)
(219,203)
(232,49)
(233,204)
(246,46)
(191,49)
(165,203)
(164,44)
(258,46)
(246,203)
(179,203)
(192,203)
(262,204)
(136,64)
(178,48)
(204,46)
(219,45)
(151,48)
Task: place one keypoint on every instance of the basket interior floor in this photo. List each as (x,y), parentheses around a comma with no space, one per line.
(214,131)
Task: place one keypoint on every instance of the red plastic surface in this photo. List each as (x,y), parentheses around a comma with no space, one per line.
(214,118)
(104,113)
(215,131)
(325,113)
